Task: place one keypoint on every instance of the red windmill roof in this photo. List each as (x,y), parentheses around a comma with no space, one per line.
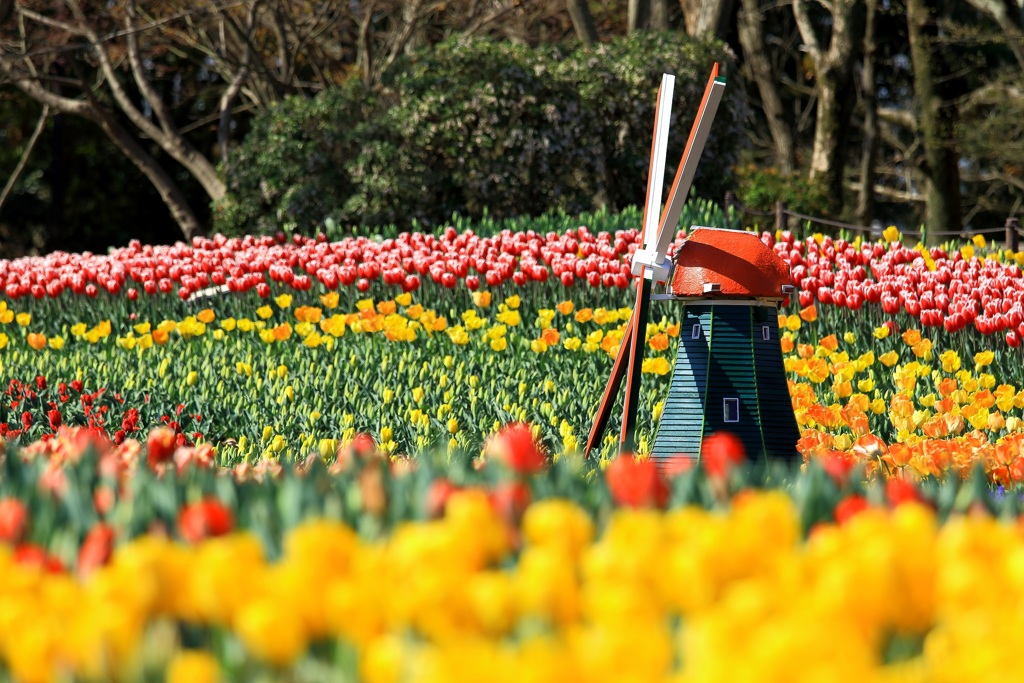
(738,262)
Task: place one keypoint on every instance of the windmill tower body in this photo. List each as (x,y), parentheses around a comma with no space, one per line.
(728,374)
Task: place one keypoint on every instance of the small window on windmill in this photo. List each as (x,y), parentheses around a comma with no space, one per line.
(731,408)
(696,331)
(766,333)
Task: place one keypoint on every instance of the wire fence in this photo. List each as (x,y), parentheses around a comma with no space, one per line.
(1010,230)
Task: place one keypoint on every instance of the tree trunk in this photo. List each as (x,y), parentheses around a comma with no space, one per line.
(707,16)
(751,35)
(638,14)
(869,147)
(833,79)
(659,15)
(830,134)
(582,21)
(937,120)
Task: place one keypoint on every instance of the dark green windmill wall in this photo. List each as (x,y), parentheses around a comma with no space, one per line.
(730,359)
(682,418)
(779,428)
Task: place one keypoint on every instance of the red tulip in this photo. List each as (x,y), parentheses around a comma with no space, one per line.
(720,452)
(848,507)
(510,500)
(838,466)
(515,447)
(160,446)
(636,483)
(899,491)
(96,550)
(205,519)
(437,497)
(13,520)
(35,556)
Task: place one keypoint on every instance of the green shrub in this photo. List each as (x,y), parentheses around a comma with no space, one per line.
(619,82)
(760,188)
(292,169)
(477,127)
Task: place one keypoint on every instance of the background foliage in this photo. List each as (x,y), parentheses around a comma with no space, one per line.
(478,127)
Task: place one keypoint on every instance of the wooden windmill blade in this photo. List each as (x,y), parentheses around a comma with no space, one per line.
(654,256)
(652,263)
(692,153)
(652,206)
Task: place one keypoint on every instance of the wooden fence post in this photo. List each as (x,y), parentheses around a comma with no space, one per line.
(1012,238)
(781,221)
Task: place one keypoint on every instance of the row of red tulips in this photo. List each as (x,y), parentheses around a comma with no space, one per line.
(951,290)
(251,263)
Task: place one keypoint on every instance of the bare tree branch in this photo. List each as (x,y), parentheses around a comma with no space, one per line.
(807,34)
(899,117)
(23,161)
(145,87)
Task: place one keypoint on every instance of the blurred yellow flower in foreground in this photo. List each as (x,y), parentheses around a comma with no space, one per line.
(193,666)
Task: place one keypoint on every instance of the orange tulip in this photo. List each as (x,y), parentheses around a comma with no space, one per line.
(36,341)
(550,336)
(912,337)
(282,331)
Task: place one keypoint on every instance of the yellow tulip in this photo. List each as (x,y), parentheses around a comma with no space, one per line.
(193,666)
(889,359)
(272,630)
(330,300)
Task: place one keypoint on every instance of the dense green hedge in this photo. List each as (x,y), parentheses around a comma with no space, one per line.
(475,127)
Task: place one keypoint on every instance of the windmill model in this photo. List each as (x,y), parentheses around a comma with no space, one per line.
(729,374)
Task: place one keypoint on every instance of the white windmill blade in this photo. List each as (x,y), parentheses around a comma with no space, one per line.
(686,171)
(656,168)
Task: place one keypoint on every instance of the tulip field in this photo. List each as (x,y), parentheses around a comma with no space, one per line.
(300,459)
